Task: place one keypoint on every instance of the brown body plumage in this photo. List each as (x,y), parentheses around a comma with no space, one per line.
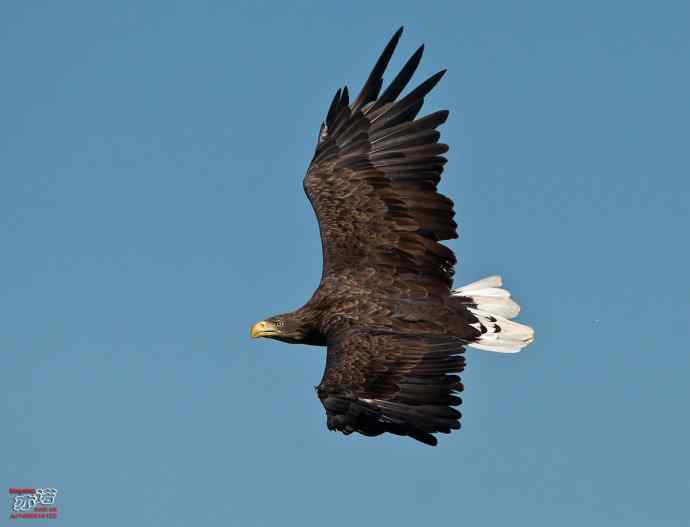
(394,330)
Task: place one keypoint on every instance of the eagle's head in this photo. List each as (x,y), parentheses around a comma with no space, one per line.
(287,328)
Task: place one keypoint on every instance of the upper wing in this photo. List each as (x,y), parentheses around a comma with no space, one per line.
(378,382)
(373,179)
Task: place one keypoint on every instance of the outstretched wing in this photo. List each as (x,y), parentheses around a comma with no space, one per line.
(378,382)
(372,182)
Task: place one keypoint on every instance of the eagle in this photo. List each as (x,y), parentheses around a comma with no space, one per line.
(393,326)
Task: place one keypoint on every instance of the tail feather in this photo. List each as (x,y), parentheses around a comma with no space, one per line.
(492,308)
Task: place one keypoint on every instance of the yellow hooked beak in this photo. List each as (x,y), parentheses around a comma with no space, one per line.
(264,329)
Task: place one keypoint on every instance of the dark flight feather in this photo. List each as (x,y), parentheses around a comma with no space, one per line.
(372,86)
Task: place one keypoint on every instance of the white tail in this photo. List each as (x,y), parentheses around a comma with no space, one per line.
(493,307)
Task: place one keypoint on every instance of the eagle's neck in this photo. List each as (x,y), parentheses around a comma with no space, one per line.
(309,320)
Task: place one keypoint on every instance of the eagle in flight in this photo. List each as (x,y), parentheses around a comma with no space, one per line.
(394,328)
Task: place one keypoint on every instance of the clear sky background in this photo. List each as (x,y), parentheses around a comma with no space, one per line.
(151,209)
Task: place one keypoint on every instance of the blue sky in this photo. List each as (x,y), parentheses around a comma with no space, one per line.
(151,210)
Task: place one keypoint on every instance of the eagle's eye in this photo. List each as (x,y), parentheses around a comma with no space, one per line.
(279,323)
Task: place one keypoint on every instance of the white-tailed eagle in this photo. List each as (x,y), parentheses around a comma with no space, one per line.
(394,328)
